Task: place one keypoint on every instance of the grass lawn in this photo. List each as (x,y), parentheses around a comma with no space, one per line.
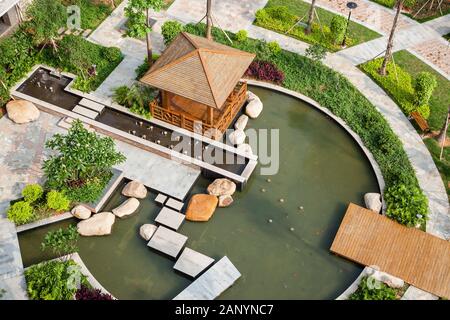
(441,95)
(356,33)
(426,13)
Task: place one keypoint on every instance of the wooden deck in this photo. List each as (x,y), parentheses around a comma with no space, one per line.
(417,257)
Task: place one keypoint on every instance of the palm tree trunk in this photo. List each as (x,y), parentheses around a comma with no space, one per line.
(390,45)
(208,20)
(310,17)
(149,42)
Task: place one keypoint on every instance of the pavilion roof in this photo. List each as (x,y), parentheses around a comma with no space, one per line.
(199,69)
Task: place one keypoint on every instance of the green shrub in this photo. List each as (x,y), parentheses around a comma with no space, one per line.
(424,110)
(137,98)
(337,28)
(336,93)
(424,85)
(372,289)
(57,201)
(20,212)
(54,280)
(32,192)
(170,30)
(242,35)
(90,191)
(406,204)
(112,54)
(274,47)
(316,52)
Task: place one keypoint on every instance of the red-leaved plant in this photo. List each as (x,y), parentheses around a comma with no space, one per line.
(85,293)
(265,71)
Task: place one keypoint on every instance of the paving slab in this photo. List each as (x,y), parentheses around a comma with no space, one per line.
(212,283)
(85,112)
(91,105)
(167,241)
(160,198)
(175,204)
(192,262)
(170,218)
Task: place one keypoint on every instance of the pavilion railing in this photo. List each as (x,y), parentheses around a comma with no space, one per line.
(232,106)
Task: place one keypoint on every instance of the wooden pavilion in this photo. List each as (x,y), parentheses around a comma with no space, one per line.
(199,82)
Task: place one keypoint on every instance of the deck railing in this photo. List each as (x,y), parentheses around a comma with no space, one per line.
(232,106)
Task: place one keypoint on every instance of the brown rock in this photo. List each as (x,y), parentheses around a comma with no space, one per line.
(22,111)
(99,224)
(225,201)
(201,207)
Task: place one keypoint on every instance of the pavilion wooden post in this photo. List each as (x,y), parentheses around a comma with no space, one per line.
(165,100)
(210,115)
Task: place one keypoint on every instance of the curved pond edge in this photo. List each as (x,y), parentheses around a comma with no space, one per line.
(367,270)
(342,123)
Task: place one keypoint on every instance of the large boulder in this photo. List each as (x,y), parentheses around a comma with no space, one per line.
(147,230)
(99,224)
(373,202)
(245,148)
(201,207)
(81,212)
(251,96)
(135,189)
(225,201)
(22,111)
(254,108)
(128,207)
(241,122)
(237,137)
(222,187)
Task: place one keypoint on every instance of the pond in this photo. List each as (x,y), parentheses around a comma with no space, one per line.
(322,169)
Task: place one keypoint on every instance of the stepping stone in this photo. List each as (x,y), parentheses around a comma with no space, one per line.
(68,31)
(192,262)
(170,218)
(61,30)
(85,112)
(76,32)
(91,105)
(167,241)
(160,198)
(212,283)
(175,204)
(86,32)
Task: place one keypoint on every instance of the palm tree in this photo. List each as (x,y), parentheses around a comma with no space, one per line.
(388,55)
(310,17)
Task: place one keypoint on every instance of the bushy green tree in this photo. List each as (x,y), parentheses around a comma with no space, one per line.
(274,47)
(424,85)
(170,30)
(61,241)
(138,14)
(81,155)
(337,27)
(46,17)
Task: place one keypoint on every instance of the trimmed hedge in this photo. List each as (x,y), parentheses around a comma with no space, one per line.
(336,93)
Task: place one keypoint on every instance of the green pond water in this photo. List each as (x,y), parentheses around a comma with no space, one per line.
(321,169)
